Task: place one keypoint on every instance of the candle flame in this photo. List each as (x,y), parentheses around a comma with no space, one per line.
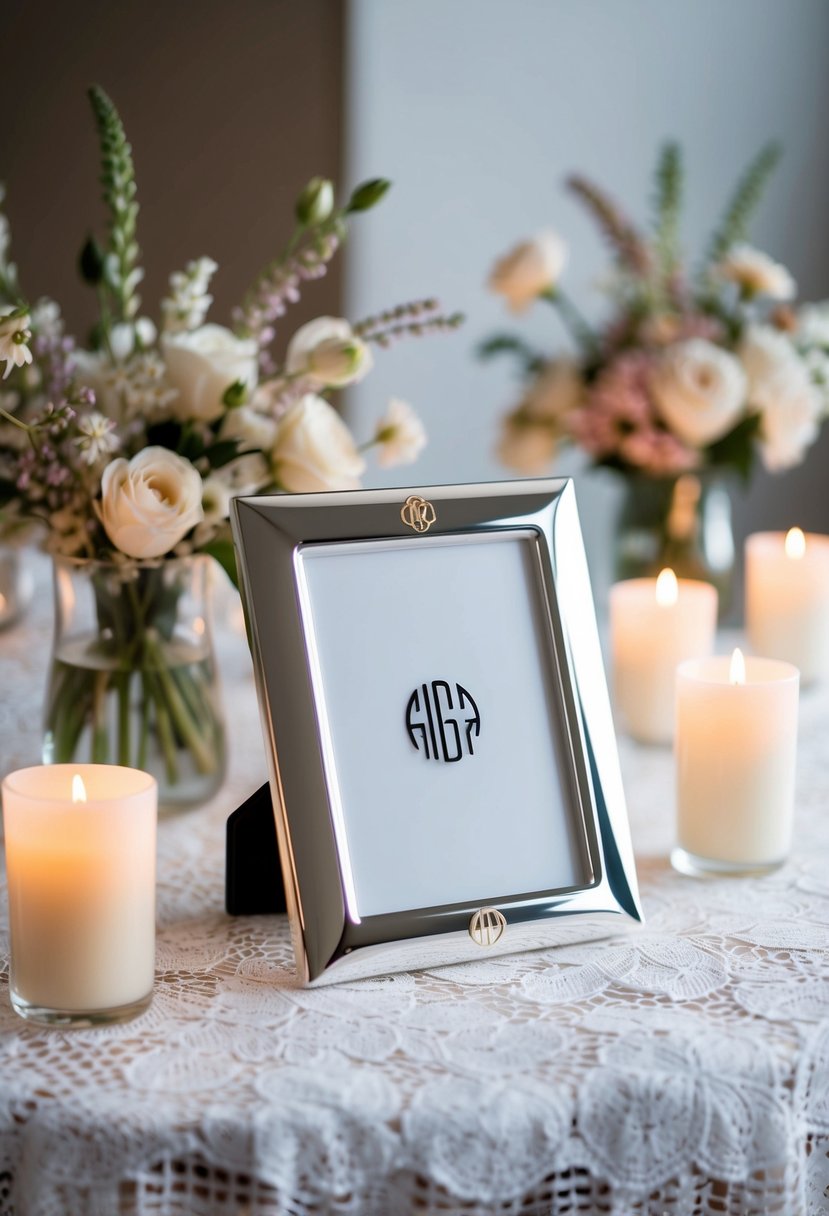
(667,589)
(78,789)
(795,544)
(737,671)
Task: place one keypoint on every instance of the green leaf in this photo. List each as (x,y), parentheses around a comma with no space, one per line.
(222,452)
(737,447)
(668,207)
(235,394)
(368,194)
(225,555)
(510,344)
(733,226)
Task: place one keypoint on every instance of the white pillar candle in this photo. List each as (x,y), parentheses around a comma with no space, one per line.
(654,625)
(787,599)
(736,744)
(80,857)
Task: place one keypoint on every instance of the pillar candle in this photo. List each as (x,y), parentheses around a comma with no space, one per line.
(787,599)
(736,742)
(654,625)
(80,856)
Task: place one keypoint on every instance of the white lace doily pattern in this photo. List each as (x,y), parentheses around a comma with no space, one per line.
(684,1072)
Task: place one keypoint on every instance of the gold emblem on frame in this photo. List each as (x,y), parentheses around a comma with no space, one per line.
(418,513)
(487,926)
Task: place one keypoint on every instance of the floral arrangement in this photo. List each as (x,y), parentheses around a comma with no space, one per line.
(133,447)
(128,450)
(692,369)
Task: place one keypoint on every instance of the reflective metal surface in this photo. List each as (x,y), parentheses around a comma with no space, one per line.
(331,942)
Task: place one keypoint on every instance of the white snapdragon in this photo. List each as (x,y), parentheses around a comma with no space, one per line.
(189,300)
(151,502)
(528,270)
(400,435)
(699,390)
(328,354)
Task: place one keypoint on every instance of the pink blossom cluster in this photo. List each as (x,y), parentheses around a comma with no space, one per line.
(619,422)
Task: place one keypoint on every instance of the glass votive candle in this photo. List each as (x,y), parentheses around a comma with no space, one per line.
(80,858)
(736,748)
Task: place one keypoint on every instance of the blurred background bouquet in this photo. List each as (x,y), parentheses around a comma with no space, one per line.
(697,372)
(125,452)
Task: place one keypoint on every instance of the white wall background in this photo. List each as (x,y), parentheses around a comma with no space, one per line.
(478,110)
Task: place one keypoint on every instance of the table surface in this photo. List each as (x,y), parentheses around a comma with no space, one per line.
(681,1071)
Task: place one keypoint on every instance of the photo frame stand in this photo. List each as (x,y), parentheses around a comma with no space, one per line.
(253,874)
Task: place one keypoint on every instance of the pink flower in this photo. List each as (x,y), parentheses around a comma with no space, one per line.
(657,453)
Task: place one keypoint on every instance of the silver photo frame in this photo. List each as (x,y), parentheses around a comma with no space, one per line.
(443,764)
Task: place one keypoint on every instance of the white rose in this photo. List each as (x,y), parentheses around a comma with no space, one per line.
(556,392)
(247,474)
(202,364)
(529,269)
(526,447)
(700,391)
(151,502)
(314,449)
(252,429)
(400,434)
(780,388)
(328,354)
(755,273)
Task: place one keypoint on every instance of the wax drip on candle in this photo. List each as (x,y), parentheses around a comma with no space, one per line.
(78,789)
(667,589)
(737,671)
(795,543)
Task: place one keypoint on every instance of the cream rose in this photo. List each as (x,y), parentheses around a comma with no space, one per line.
(755,273)
(526,447)
(314,449)
(556,392)
(529,269)
(150,502)
(328,354)
(699,390)
(400,435)
(781,390)
(252,429)
(202,364)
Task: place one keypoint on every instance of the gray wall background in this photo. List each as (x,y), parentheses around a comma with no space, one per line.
(478,109)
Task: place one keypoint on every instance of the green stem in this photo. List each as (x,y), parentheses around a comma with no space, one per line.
(124,717)
(180,715)
(144,736)
(100,742)
(579,329)
(165,736)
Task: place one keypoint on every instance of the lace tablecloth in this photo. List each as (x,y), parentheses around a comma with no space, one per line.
(681,1073)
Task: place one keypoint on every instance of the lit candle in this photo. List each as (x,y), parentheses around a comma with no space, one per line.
(736,743)
(80,857)
(787,599)
(654,625)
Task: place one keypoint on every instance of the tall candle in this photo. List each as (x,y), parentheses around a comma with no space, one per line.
(80,856)
(654,625)
(787,599)
(736,743)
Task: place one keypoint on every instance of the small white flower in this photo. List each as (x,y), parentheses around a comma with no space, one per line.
(315,450)
(400,435)
(215,500)
(781,390)
(700,390)
(529,269)
(188,302)
(813,325)
(755,273)
(97,437)
(327,353)
(14,334)
(46,319)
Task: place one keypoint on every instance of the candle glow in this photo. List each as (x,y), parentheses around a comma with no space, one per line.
(78,789)
(795,543)
(667,589)
(737,671)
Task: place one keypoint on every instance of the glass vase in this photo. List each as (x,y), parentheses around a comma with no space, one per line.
(683,522)
(133,677)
